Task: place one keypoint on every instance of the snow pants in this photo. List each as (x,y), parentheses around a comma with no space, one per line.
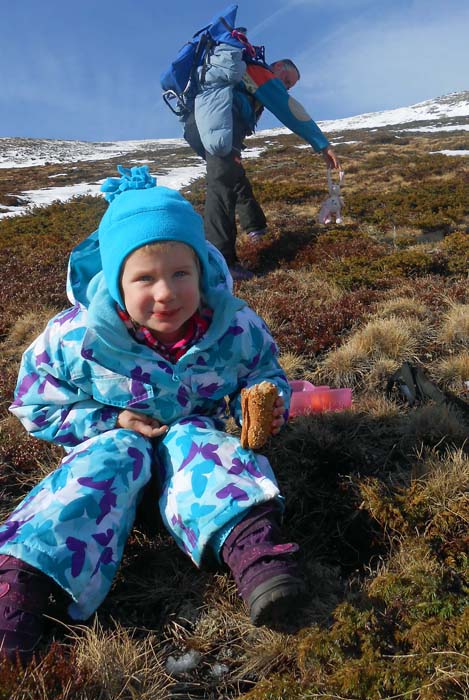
(74,524)
(229,192)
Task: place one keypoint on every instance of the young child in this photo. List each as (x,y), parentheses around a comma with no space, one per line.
(137,372)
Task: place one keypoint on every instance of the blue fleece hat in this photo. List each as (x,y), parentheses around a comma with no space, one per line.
(139,213)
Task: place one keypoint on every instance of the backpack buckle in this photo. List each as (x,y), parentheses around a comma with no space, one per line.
(179,107)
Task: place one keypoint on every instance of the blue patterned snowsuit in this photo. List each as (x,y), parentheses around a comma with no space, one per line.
(74,380)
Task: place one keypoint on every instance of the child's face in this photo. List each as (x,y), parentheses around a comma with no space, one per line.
(160,286)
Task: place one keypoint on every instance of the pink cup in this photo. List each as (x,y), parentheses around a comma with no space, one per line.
(321,400)
(307,398)
(301,385)
(301,397)
(341,399)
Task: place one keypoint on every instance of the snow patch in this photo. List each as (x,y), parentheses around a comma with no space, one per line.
(175,179)
(27,153)
(185,663)
(452,153)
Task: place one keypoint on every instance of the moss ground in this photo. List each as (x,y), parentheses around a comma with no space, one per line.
(376,496)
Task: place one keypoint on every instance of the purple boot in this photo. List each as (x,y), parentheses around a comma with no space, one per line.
(240,273)
(265,572)
(25,596)
(258,235)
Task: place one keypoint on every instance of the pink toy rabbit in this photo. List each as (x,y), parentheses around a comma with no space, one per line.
(331,208)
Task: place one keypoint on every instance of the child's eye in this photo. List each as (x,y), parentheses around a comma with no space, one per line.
(181,273)
(145,278)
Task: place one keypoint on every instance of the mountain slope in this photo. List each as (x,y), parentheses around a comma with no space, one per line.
(375,496)
(437,112)
(20,152)
(83,165)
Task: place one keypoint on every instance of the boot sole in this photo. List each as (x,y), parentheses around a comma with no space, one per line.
(273,602)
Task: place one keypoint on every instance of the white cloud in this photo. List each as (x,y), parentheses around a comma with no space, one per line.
(316,6)
(272,18)
(389,59)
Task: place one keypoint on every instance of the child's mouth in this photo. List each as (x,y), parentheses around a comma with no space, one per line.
(165,314)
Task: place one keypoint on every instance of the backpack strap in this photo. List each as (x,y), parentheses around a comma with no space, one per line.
(242,38)
(204,49)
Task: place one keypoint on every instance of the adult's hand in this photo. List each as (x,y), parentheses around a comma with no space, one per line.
(330,158)
(140,423)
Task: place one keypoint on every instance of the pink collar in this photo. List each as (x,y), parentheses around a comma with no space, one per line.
(197,326)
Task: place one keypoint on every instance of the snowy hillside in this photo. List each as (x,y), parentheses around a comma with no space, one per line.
(175,164)
(434,114)
(437,111)
(26,153)
(21,153)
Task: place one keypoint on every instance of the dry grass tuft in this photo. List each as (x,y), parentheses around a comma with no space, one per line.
(343,367)
(453,371)
(267,652)
(378,374)
(395,338)
(433,499)
(412,563)
(309,287)
(314,283)
(379,344)
(379,407)
(295,366)
(434,425)
(119,665)
(402,307)
(443,484)
(26,328)
(455,326)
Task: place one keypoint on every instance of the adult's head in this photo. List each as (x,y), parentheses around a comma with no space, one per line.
(140,213)
(286,71)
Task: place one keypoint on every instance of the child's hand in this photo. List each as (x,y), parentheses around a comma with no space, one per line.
(278,417)
(140,423)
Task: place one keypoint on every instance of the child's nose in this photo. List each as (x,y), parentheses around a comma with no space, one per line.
(163,290)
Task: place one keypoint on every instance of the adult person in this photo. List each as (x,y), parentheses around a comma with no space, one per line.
(228,187)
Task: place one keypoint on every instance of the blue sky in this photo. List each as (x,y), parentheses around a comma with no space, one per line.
(89,70)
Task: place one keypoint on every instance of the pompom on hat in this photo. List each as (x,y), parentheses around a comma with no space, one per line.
(139,213)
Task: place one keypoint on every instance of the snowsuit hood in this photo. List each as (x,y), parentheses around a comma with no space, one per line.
(139,213)
(85,271)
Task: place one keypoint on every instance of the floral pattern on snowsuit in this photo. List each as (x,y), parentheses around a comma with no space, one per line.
(75,379)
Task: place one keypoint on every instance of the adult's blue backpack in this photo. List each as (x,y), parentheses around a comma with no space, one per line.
(180,81)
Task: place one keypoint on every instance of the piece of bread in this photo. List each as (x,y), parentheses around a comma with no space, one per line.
(257,405)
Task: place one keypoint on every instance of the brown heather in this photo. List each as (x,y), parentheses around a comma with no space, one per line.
(376,496)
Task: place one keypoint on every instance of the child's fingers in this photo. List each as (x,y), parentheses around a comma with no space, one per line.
(149,427)
(150,431)
(143,428)
(278,418)
(277,424)
(161,430)
(279,406)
